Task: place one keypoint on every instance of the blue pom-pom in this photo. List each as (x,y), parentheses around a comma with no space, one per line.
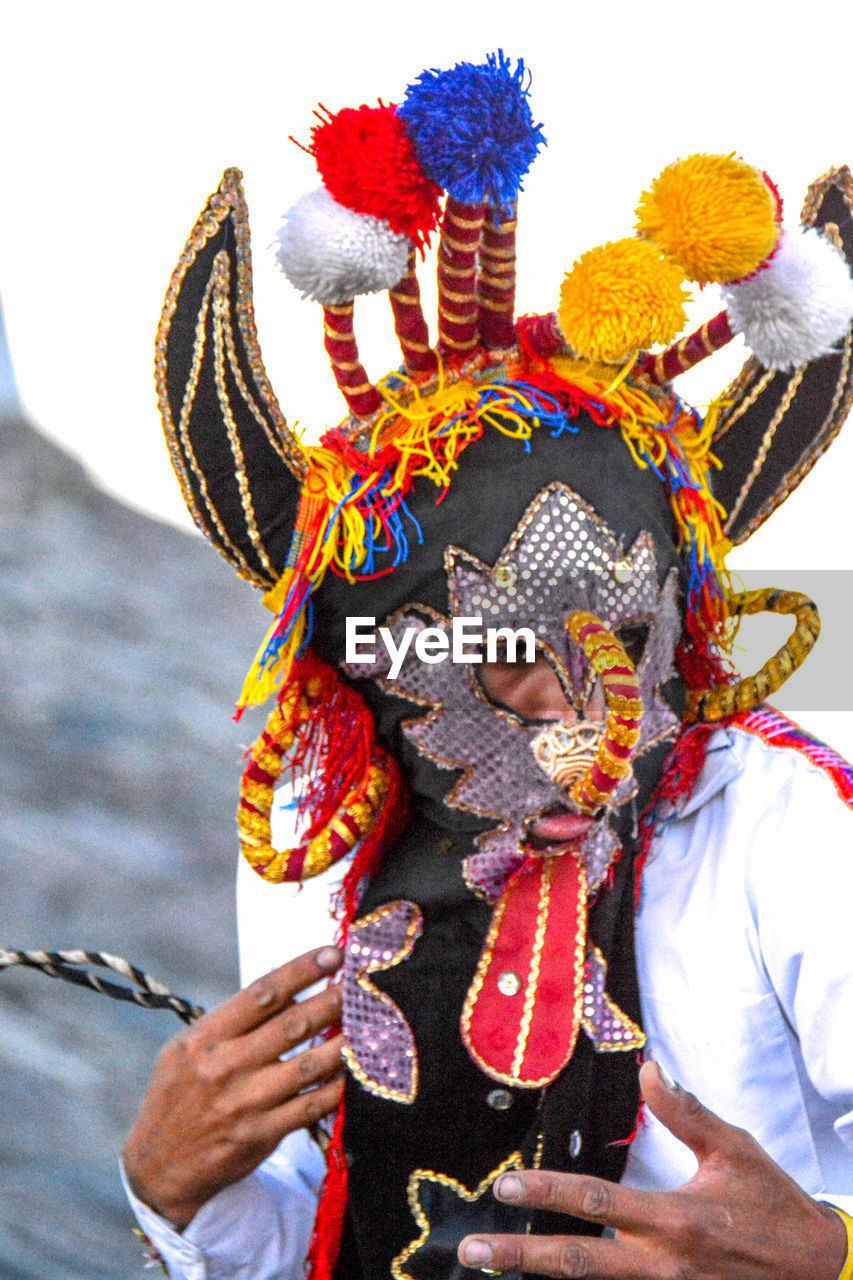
(473,129)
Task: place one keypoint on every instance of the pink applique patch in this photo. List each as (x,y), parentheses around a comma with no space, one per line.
(379,1046)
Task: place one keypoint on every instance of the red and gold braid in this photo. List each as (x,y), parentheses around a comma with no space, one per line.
(410,324)
(607,657)
(458,332)
(496,283)
(361,396)
(745,694)
(712,336)
(350,822)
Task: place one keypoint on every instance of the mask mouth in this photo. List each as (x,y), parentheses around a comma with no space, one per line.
(558,825)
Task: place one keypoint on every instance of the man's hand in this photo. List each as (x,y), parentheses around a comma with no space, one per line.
(220,1100)
(739,1218)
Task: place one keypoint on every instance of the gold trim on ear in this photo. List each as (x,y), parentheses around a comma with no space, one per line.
(716,704)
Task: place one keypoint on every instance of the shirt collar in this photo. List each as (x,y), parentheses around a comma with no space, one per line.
(722,764)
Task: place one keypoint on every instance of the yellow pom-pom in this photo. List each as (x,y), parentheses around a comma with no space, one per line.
(716,215)
(620,297)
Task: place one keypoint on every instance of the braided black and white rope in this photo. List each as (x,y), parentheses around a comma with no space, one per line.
(148,992)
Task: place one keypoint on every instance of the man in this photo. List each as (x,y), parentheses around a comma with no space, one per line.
(492,1000)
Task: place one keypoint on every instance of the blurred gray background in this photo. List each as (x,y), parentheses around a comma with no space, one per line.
(123,644)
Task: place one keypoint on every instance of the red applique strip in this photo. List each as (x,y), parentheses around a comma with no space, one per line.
(522,1013)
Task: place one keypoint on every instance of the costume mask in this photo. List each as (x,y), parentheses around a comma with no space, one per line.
(571,481)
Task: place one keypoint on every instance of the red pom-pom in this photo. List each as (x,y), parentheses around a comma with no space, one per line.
(368,164)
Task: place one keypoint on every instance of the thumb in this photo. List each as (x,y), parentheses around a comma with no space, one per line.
(684,1115)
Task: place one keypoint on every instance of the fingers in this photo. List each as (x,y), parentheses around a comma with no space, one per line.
(594,1199)
(549,1256)
(685,1117)
(282,1032)
(270,994)
(280,1082)
(307,1108)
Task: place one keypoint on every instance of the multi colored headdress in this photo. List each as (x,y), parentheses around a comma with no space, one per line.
(286,515)
(540,469)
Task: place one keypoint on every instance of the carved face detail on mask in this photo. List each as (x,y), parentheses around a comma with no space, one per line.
(518,730)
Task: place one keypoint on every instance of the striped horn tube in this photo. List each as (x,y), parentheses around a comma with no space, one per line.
(457,277)
(689,351)
(608,659)
(409,323)
(496,283)
(745,694)
(361,396)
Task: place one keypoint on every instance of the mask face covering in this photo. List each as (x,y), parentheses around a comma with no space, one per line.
(561,558)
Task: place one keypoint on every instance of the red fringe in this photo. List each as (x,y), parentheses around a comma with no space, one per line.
(329,1223)
(334,745)
(331,1210)
(680,774)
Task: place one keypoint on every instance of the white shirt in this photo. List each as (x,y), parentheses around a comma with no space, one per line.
(745,965)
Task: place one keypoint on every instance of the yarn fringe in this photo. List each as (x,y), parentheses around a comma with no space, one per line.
(331,1210)
(353,518)
(352,515)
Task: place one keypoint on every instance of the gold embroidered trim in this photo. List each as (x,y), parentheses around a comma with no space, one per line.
(637,1038)
(227,200)
(832,424)
(535,961)
(513,1161)
(483,968)
(223,341)
(452,296)
(447,269)
(413,932)
(491,305)
(199,342)
(840,177)
(459,246)
(767,440)
(842,180)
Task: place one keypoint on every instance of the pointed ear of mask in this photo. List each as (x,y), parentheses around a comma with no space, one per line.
(776,425)
(239,465)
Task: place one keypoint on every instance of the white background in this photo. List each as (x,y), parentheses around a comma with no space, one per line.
(117,123)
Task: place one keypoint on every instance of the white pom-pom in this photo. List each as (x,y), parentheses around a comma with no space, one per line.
(796,308)
(332,254)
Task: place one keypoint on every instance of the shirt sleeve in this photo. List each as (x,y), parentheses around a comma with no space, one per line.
(801,884)
(257,1229)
